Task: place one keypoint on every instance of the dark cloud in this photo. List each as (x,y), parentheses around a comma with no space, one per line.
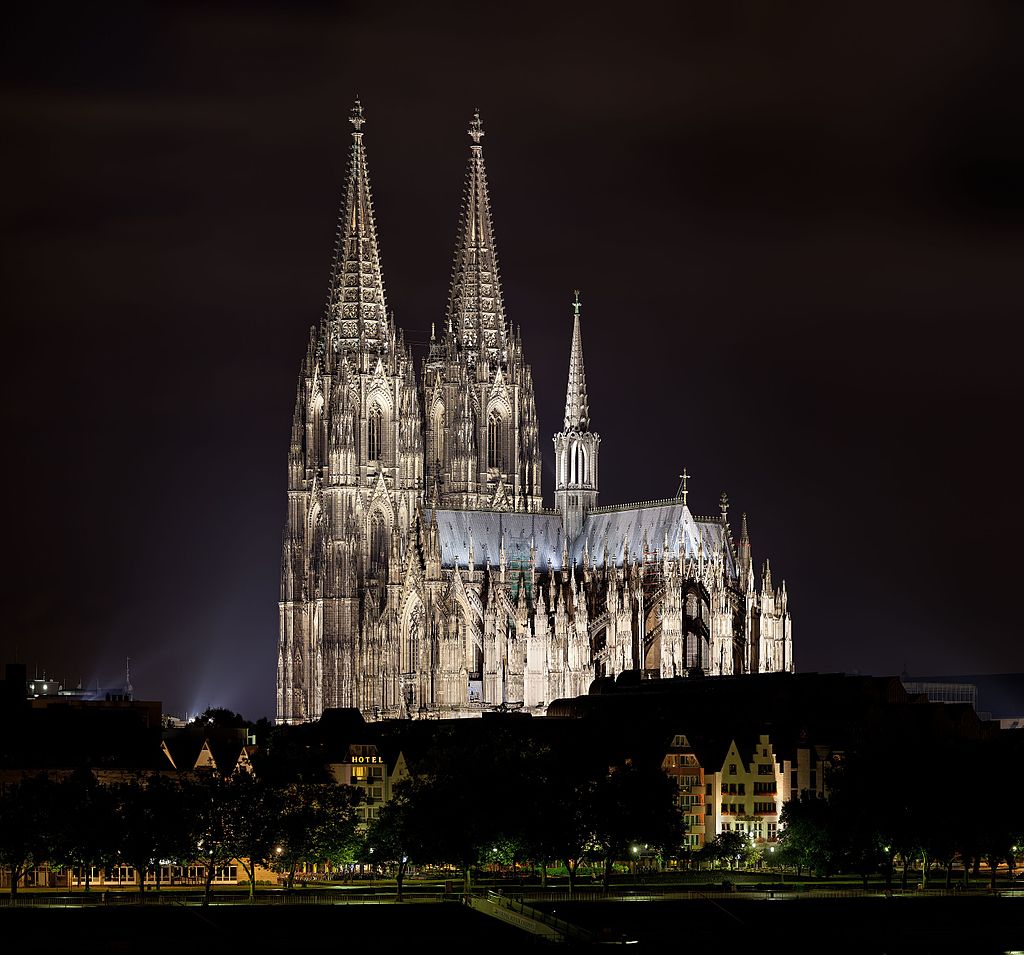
(798,233)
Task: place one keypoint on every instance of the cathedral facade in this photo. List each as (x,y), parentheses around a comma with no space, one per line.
(420,574)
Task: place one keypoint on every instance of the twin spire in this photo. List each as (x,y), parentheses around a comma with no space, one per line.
(577,411)
(356,307)
(476,312)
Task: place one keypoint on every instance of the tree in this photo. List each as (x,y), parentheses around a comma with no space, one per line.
(731,847)
(632,805)
(317,822)
(26,820)
(555,813)
(257,807)
(84,824)
(393,838)
(222,718)
(806,838)
(212,801)
(152,825)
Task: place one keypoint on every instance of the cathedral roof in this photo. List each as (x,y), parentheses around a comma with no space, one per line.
(476,313)
(487,530)
(652,522)
(629,524)
(356,307)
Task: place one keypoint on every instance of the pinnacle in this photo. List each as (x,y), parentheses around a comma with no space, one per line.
(476,128)
(356,116)
(476,311)
(577,412)
(356,307)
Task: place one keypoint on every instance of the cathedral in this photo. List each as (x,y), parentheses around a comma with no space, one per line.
(421,575)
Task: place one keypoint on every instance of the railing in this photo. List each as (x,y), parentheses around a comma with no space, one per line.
(518,900)
(276,897)
(562,927)
(781,893)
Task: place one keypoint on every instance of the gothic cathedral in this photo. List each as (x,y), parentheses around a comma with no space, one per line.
(420,574)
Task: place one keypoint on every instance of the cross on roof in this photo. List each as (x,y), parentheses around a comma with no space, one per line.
(356,116)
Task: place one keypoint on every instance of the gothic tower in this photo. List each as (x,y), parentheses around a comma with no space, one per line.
(482,448)
(355,475)
(420,575)
(576,445)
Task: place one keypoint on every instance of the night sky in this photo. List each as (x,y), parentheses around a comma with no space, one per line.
(799,236)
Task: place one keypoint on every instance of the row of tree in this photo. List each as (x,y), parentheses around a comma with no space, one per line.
(510,800)
(501,799)
(500,796)
(146,821)
(912,802)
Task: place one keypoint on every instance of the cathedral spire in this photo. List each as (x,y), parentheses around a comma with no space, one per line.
(577,413)
(576,446)
(356,306)
(476,313)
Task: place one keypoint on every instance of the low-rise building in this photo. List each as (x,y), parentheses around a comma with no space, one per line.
(683,767)
(745,794)
(374,771)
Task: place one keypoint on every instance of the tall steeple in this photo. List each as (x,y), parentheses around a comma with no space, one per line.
(577,412)
(356,307)
(576,446)
(476,313)
(478,361)
(355,477)
(743,557)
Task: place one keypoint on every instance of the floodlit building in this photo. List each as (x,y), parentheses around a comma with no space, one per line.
(420,574)
(375,772)
(746,794)
(683,767)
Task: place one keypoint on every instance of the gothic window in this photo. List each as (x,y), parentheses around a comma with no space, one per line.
(378,547)
(316,444)
(375,434)
(494,455)
(437,433)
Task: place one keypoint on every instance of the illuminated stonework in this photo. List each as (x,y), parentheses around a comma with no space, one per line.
(420,575)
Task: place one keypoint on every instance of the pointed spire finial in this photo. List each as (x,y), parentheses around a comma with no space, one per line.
(475,305)
(682,492)
(356,305)
(476,128)
(723,503)
(356,116)
(577,410)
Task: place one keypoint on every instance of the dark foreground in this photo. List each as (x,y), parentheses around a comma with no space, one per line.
(968,926)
